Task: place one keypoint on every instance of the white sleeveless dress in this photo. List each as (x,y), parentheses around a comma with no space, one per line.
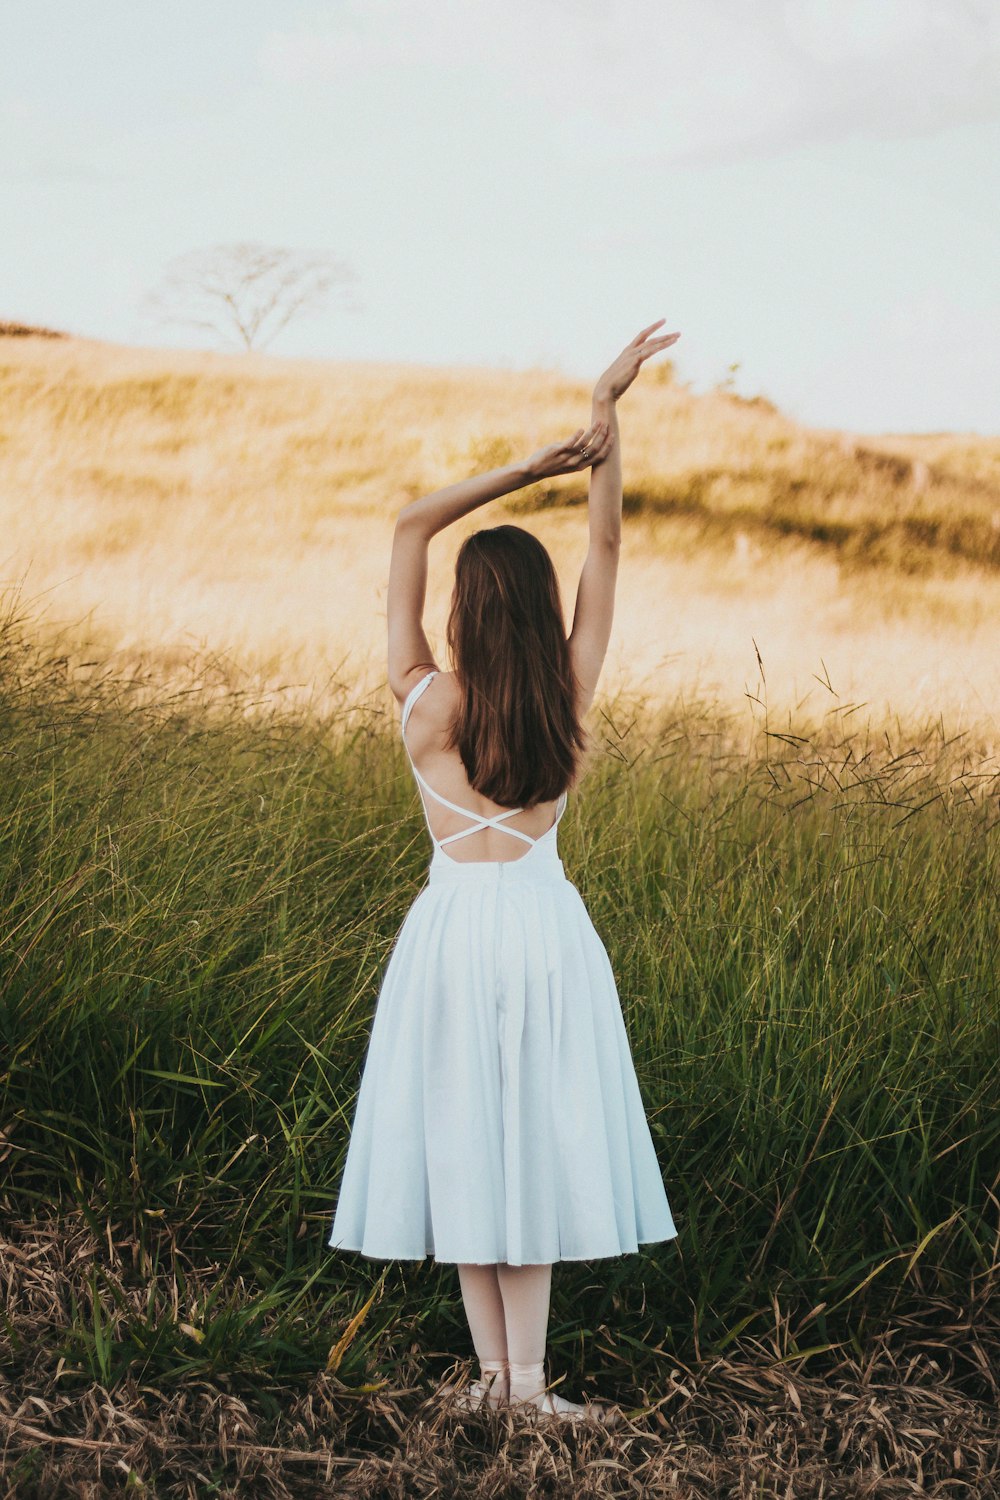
(498,1115)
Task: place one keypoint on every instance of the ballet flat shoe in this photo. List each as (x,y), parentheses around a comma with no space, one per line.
(593,1411)
(476,1396)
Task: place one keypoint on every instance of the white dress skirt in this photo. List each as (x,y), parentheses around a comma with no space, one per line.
(498,1114)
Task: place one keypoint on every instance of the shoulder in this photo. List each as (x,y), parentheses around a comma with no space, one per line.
(442,686)
(402,687)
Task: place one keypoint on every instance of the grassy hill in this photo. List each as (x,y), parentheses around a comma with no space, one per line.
(244,504)
(367,436)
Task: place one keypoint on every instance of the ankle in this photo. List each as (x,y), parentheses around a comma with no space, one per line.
(493,1373)
(526,1380)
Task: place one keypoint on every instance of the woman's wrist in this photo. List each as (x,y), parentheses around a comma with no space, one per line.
(522,472)
(602,400)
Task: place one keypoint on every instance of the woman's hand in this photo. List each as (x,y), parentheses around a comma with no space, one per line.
(586,447)
(619,376)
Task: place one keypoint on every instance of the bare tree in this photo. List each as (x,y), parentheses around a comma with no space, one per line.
(247,290)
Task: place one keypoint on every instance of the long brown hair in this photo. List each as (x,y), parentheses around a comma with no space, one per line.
(516,728)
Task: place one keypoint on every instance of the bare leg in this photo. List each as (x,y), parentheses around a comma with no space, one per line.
(525,1291)
(485,1311)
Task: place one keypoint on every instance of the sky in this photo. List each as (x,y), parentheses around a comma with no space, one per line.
(806,189)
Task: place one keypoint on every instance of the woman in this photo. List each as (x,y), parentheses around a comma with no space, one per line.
(498,1123)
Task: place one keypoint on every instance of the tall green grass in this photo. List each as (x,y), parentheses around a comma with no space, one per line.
(199,898)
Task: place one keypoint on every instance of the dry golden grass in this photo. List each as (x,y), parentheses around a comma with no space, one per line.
(242,507)
(915,1415)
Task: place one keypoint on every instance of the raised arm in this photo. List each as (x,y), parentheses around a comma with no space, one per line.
(595,595)
(410,654)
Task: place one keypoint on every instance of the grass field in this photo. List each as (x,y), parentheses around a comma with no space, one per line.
(203,874)
(197,908)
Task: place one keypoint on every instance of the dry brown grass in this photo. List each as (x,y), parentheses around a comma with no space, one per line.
(915,1414)
(245,504)
(28,331)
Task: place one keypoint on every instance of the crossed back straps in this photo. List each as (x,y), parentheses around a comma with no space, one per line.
(478,821)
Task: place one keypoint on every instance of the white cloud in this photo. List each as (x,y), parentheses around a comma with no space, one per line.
(698,80)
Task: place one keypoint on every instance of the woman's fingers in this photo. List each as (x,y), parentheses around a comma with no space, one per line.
(658,344)
(586,442)
(600,448)
(640,336)
(598,439)
(594,435)
(586,439)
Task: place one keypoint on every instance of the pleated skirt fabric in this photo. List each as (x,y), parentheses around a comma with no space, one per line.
(498,1114)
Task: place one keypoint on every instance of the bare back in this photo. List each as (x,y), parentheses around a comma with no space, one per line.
(425,729)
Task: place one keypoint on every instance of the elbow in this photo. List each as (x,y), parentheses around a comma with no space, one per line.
(414,516)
